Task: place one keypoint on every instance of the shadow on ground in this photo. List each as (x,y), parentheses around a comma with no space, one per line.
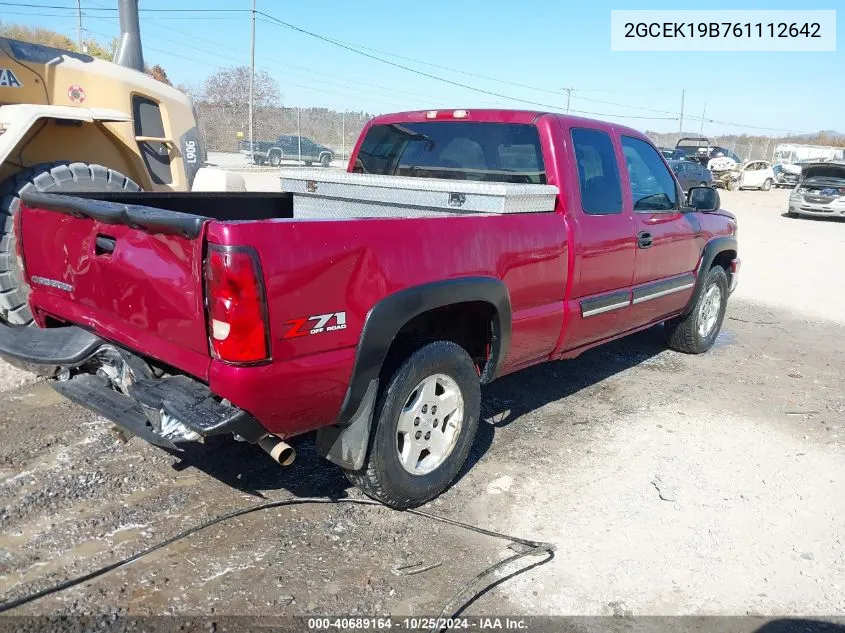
(801,625)
(246,467)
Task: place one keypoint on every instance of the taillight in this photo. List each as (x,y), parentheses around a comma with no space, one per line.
(237,307)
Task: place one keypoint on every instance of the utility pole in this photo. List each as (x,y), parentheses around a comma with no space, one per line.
(299,132)
(79,25)
(252,88)
(681,124)
(343,134)
(703,112)
(568,92)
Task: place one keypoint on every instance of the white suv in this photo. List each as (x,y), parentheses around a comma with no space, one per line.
(756,173)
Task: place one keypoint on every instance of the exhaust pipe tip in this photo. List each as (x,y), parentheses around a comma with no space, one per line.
(282,453)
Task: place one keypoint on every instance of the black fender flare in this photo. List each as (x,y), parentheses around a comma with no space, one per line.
(345,443)
(711,250)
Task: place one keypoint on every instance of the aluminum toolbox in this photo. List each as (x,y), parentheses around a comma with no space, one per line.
(327,193)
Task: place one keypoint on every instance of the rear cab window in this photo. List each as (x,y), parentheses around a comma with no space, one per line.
(598,172)
(458,150)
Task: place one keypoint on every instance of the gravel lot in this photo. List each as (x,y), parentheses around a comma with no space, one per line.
(671,484)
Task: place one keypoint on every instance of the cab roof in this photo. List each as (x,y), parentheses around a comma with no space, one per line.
(486,115)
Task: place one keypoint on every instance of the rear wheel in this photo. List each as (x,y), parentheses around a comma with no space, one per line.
(423,427)
(696,332)
(767,184)
(325,160)
(46,177)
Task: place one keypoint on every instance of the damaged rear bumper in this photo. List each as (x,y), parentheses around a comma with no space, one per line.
(163,411)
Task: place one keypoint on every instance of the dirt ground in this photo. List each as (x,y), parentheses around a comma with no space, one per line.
(670,484)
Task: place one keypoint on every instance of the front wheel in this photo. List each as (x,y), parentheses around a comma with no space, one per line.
(696,332)
(325,160)
(733,185)
(767,184)
(275,160)
(423,427)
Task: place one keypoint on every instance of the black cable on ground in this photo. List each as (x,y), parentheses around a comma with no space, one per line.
(453,607)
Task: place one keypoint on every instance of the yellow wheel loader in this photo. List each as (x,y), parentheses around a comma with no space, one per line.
(70,123)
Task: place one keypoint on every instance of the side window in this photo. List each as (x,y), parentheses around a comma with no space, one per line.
(652,186)
(598,173)
(147,117)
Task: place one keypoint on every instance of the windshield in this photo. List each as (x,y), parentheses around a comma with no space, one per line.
(459,150)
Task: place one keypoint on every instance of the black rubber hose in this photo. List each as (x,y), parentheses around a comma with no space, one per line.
(452,607)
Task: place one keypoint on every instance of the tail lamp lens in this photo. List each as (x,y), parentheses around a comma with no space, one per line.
(237,308)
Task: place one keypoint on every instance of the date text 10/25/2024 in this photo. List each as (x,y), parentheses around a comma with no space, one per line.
(418,624)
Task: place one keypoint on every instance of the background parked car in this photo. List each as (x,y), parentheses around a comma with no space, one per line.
(287,147)
(821,191)
(757,174)
(786,175)
(691,174)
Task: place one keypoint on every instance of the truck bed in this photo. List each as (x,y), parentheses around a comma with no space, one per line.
(214,205)
(134,274)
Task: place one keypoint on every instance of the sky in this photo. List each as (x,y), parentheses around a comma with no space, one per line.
(545,46)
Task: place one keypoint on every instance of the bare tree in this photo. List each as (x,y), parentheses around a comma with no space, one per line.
(224,104)
(229,87)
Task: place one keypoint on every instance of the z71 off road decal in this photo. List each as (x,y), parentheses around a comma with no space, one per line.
(315,324)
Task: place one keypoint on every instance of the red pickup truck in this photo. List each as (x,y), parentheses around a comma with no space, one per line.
(185,315)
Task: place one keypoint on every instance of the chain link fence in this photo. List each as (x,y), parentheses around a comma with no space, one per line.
(301,130)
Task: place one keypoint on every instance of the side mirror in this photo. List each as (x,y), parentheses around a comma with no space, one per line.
(703,199)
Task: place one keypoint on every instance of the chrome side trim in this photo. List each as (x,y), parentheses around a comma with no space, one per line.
(662,293)
(603,309)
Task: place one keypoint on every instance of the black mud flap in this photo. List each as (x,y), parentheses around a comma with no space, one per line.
(347,445)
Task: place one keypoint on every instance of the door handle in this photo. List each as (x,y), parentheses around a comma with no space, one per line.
(643,239)
(104,245)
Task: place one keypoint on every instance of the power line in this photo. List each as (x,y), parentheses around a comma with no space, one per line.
(503,81)
(239,61)
(66,8)
(351,47)
(360,50)
(442,79)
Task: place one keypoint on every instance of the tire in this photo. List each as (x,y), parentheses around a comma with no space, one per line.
(325,160)
(48,177)
(275,160)
(383,476)
(733,185)
(767,184)
(694,333)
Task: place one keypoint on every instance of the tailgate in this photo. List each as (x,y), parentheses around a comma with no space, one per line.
(132,274)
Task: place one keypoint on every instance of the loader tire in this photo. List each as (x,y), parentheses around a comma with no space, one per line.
(58,177)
